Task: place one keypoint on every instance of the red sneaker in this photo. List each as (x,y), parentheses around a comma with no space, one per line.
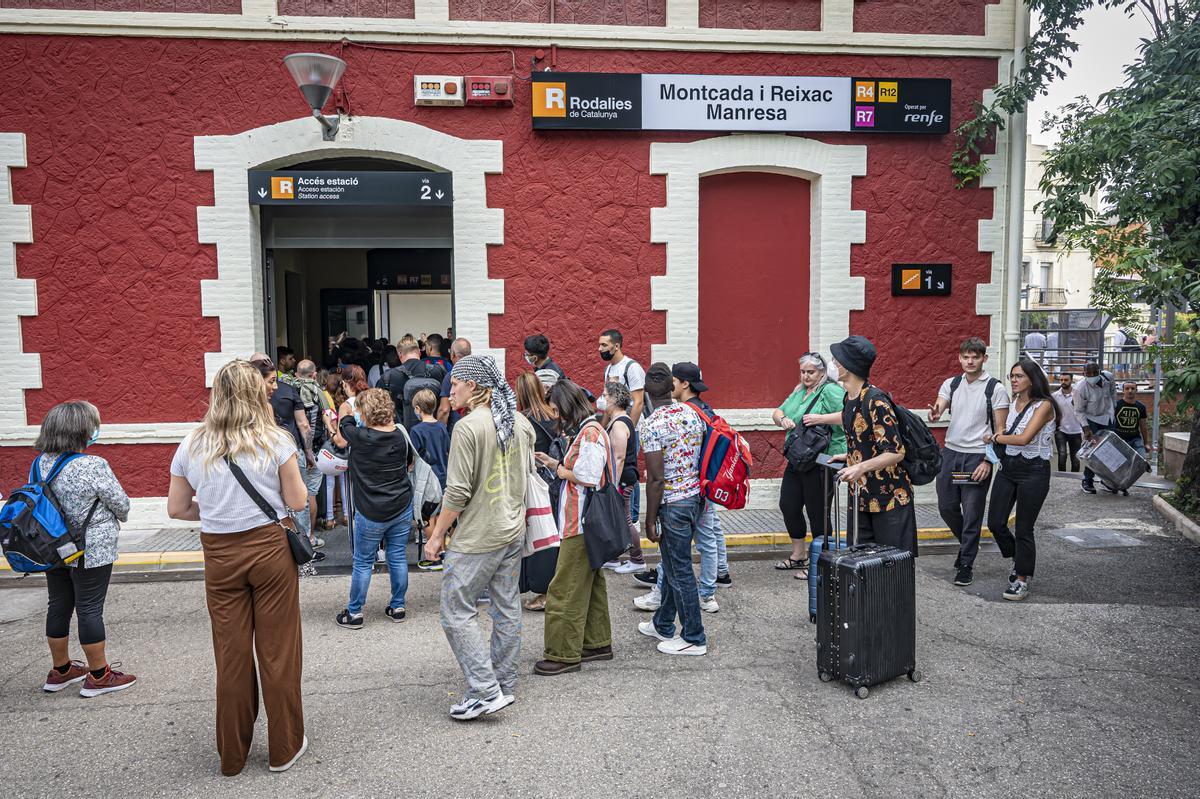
(111,681)
(55,682)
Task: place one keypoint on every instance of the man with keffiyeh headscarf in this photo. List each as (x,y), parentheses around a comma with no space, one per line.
(491,456)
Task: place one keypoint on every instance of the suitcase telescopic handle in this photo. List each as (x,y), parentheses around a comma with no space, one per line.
(855,504)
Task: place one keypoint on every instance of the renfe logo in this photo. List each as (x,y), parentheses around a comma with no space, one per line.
(550,99)
(864,116)
(928,119)
(283,189)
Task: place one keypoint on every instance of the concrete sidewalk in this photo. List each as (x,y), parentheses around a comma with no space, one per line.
(1086,690)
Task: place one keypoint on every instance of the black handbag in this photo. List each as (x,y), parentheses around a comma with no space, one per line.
(605,526)
(804,443)
(302,548)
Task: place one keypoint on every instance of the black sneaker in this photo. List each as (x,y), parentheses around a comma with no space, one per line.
(317,557)
(344,619)
(964,577)
(724,579)
(1088,487)
(429,565)
(648,577)
(395,614)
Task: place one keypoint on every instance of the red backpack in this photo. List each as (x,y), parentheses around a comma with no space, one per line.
(724,463)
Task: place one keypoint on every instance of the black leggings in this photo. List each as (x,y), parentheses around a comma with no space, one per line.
(806,492)
(81,591)
(1024,483)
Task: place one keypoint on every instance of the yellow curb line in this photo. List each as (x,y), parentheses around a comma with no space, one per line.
(196,557)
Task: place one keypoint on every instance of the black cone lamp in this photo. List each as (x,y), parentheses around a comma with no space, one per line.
(317,75)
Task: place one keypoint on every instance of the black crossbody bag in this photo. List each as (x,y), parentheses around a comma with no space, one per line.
(803,444)
(302,548)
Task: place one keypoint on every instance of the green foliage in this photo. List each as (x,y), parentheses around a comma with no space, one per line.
(1137,149)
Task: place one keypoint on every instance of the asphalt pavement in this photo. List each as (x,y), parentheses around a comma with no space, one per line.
(1085,690)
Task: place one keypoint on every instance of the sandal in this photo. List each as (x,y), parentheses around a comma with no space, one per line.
(789,564)
(803,574)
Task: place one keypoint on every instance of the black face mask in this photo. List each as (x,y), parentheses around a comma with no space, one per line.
(607,355)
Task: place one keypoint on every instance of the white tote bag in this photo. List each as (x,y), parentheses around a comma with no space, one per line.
(541,530)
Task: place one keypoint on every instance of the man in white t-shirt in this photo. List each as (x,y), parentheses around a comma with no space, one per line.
(978,404)
(622,369)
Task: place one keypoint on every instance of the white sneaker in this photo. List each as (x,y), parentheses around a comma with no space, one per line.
(612,565)
(292,762)
(709,604)
(647,628)
(678,646)
(650,602)
(629,567)
(470,708)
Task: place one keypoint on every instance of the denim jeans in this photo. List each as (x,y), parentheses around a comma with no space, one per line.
(304,517)
(635,503)
(1138,446)
(367,537)
(710,543)
(680,522)
(487,664)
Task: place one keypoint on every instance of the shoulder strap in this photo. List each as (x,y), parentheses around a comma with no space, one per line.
(816,396)
(954,384)
(57,468)
(988,391)
(251,491)
(1020,416)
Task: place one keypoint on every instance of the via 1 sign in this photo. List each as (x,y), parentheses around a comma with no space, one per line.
(283,187)
(920,280)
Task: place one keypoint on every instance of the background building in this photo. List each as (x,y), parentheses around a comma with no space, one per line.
(135,259)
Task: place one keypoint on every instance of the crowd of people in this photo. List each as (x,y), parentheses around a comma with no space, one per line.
(424,436)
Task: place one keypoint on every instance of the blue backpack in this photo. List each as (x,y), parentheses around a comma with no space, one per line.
(34,532)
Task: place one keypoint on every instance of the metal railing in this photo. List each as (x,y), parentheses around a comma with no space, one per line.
(1137,366)
(1054,297)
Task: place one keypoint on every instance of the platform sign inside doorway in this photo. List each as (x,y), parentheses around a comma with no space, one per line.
(347,187)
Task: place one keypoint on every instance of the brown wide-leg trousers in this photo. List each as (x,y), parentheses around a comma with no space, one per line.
(253,593)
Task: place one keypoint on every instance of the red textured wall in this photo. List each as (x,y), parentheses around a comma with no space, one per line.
(575,12)
(963,17)
(754,286)
(375,9)
(109,126)
(171,6)
(143,469)
(780,15)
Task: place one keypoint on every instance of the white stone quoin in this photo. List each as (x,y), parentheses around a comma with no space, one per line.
(18,296)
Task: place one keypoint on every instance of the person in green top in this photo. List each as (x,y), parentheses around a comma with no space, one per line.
(803,492)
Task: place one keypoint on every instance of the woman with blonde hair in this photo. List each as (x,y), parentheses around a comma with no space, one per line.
(250,578)
(380,459)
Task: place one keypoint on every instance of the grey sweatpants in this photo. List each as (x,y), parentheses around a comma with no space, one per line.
(464,578)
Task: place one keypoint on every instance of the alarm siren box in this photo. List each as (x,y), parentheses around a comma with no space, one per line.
(438,90)
(494,90)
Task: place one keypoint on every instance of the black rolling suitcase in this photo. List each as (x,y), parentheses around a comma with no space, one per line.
(866,614)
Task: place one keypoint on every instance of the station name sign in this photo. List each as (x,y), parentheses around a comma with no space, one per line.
(623,101)
(291,187)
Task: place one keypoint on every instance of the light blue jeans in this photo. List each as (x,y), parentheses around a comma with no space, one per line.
(710,543)
(367,537)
